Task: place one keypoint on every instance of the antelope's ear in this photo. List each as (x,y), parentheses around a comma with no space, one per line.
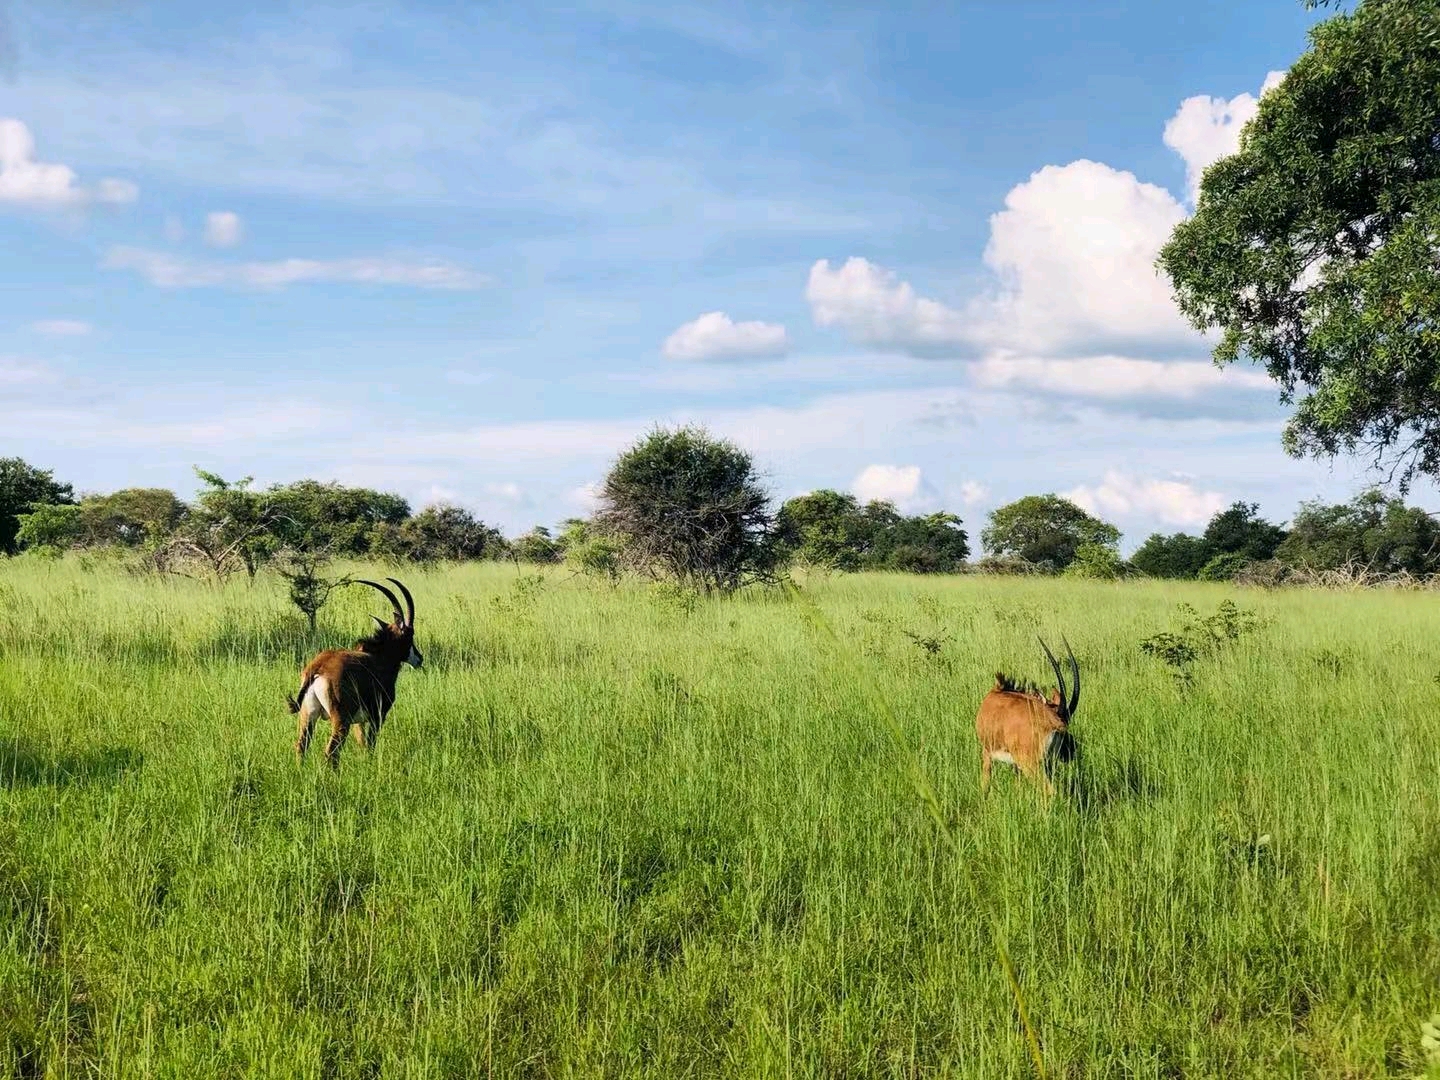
(1054,698)
(379,622)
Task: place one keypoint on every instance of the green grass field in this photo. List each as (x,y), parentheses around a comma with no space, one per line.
(618,833)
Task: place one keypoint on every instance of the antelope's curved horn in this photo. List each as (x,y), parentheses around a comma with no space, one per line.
(1055,667)
(409,601)
(394,603)
(1075,678)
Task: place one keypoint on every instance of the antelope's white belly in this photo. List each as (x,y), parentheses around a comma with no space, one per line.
(1002,755)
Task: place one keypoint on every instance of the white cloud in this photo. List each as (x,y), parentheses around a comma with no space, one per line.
(1074,251)
(508,490)
(1115,376)
(902,485)
(972,492)
(714,336)
(223,228)
(177,272)
(585,498)
(15,373)
(875,308)
(174,230)
(24,180)
(1205,129)
(61,327)
(1173,502)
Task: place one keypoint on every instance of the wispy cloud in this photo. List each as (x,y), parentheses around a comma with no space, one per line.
(61,327)
(169,271)
(223,228)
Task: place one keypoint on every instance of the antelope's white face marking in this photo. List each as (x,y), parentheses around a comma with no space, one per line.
(414,659)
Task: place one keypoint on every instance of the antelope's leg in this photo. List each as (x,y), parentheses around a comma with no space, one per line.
(305,727)
(310,708)
(337,734)
(985,765)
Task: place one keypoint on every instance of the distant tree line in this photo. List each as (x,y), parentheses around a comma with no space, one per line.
(683,506)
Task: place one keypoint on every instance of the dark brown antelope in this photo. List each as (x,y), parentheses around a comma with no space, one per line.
(1022,726)
(356,687)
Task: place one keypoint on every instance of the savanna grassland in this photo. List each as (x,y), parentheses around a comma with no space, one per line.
(625,832)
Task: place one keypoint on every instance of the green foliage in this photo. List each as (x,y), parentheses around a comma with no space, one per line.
(48,526)
(1045,530)
(1200,636)
(538,546)
(1312,249)
(605,841)
(228,529)
(22,488)
(314,516)
(310,589)
(1176,556)
(689,508)
(441,533)
(131,517)
(1096,561)
(1240,530)
(1223,567)
(590,550)
(1370,532)
(1234,538)
(826,529)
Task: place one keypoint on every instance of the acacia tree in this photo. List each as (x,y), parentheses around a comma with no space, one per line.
(1313,249)
(1046,530)
(691,508)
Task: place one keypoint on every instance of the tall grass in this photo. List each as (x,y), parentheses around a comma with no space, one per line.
(620,832)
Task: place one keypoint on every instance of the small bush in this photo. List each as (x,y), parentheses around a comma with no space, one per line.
(1097,562)
(1224,567)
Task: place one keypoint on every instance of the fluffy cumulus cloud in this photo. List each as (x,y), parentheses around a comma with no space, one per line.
(27,181)
(715,336)
(1125,497)
(903,485)
(177,272)
(874,307)
(1074,254)
(223,228)
(1205,129)
(61,327)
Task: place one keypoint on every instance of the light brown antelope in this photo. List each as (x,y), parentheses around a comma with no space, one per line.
(356,687)
(1021,726)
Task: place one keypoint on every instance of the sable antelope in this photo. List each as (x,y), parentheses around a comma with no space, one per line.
(1020,725)
(356,687)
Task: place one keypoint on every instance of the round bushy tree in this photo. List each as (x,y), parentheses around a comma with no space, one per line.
(690,508)
(1046,530)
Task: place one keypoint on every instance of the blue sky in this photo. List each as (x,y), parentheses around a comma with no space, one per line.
(469,253)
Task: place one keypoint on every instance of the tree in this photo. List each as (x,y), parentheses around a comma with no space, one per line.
(1096,561)
(1312,249)
(22,488)
(309,588)
(1371,532)
(229,528)
(825,529)
(1046,530)
(442,532)
(590,550)
(925,544)
(130,517)
(312,515)
(1176,556)
(1240,530)
(689,507)
(538,546)
(49,527)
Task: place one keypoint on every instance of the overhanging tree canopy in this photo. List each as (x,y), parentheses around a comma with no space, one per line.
(1315,250)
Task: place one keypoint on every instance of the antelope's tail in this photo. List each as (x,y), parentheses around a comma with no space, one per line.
(292,701)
